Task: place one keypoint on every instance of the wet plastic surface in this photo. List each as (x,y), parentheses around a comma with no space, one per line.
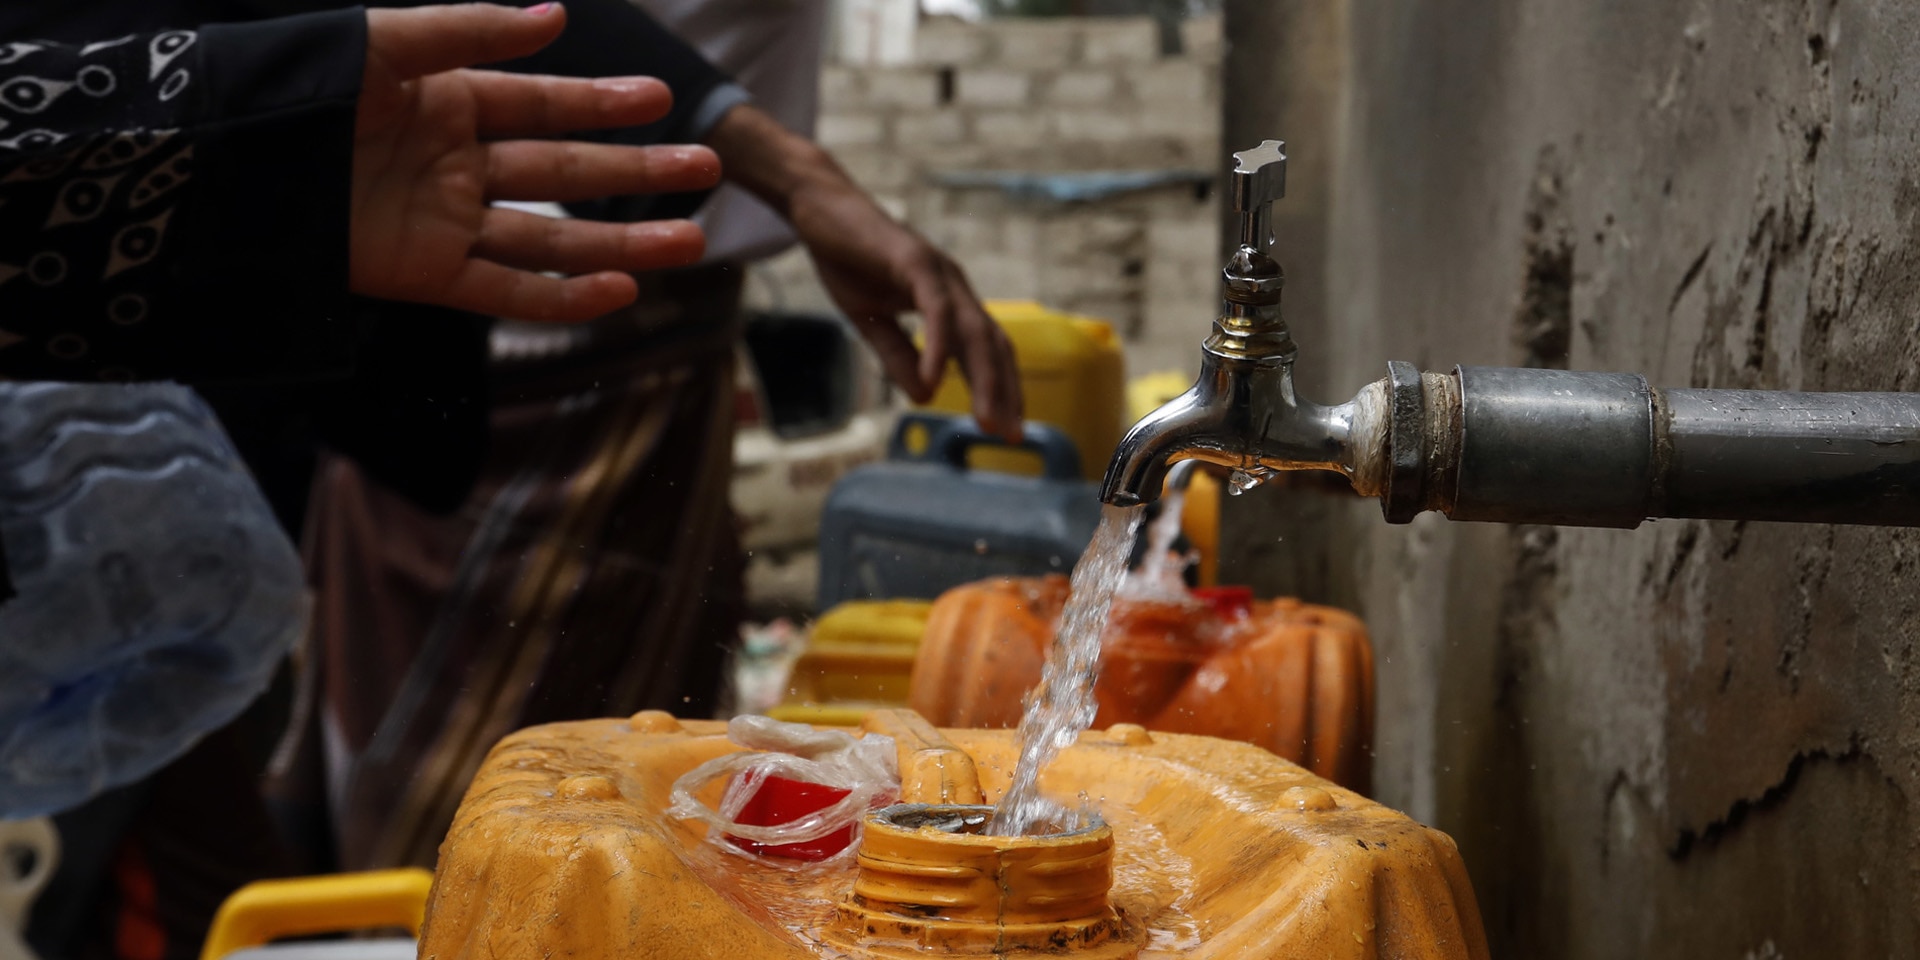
(1220,850)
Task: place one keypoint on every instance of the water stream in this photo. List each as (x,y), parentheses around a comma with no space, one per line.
(1063,703)
(1162,571)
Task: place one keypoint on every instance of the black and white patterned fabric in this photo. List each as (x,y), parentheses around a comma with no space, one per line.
(173,205)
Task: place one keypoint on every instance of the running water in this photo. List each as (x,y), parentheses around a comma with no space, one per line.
(1160,576)
(1063,704)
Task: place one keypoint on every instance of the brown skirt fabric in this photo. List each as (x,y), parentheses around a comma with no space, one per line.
(594,571)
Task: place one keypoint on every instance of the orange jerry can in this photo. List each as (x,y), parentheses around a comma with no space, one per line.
(1290,677)
(1201,849)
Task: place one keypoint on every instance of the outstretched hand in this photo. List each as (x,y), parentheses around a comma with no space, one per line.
(875,268)
(430,155)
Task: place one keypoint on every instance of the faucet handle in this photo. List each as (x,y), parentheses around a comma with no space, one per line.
(1259,178)
(1259,175)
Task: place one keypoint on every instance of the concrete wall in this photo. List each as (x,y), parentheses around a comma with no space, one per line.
(1692,739)
(1045,95)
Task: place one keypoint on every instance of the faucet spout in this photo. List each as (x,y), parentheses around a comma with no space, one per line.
(1242,413)
(1162,438)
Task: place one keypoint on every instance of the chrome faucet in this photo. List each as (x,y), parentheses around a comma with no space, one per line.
(1519,445)
(1242,412)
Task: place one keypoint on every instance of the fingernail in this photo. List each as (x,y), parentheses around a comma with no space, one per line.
(690,153)
(619,84)
(541,10)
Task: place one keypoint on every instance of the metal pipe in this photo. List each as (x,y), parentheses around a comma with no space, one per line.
(1817,457)
(1522,445)
(1540,446)
(1608,450)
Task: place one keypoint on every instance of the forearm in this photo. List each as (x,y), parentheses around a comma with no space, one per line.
(770,161)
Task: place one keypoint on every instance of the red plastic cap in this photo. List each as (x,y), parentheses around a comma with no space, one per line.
(1229,602)
(780,800)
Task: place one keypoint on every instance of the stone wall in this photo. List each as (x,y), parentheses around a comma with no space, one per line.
(1044,96)
(1693,739)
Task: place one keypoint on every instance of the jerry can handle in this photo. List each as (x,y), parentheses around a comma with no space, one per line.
(270,909)
(921,437)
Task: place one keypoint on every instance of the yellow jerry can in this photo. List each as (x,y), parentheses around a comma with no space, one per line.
(267,910)
(1073,376)
(859,656)
(1204,848)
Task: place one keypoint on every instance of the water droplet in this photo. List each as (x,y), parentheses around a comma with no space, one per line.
(980,546)
(1246,479)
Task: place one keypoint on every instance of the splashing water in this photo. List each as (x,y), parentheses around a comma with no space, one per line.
(1159,576)
(1063,703)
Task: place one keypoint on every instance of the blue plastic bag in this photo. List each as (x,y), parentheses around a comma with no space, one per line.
(157,593)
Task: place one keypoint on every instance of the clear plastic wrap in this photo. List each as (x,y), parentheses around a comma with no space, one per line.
(866,768)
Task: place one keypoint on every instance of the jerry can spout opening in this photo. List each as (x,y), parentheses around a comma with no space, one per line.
(930,881)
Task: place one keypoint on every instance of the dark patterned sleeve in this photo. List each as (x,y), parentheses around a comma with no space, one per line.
(174,205)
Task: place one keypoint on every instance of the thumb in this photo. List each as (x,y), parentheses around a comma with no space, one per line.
(427,40)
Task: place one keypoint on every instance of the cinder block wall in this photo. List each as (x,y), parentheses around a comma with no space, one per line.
(1693,739)
(1052,95)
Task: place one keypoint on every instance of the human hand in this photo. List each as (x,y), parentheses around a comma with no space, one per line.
(874,268)
(428,159)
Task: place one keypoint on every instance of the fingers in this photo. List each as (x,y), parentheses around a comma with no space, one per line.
(988,359)
(936,316)
(425,40)
(533,242)
(516,105)
(957,325)
(495,290)
(562,171)
(898,357)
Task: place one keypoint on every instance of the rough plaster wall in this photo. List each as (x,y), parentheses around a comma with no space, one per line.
(1048,94)
(1692,739)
